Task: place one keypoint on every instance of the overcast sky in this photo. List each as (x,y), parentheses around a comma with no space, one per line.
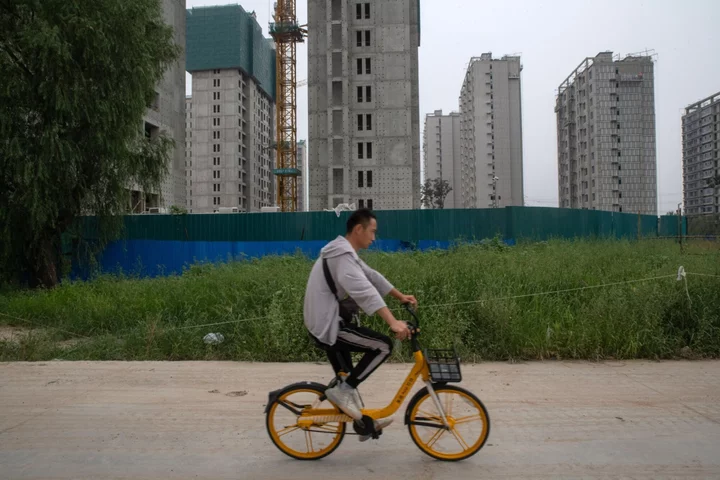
(552,39)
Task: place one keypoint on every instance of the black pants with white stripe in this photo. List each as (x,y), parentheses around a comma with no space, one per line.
(352,338)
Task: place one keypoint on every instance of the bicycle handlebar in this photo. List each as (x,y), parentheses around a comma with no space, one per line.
(409,308)
(413,326)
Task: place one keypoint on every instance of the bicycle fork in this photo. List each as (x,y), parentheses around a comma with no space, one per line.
(438,405)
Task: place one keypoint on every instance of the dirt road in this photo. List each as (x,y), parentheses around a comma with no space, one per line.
(163,420)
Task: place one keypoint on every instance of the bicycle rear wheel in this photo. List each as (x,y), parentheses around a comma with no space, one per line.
(468,420)
(302,443)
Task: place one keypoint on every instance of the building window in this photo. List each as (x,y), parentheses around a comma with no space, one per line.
(216,173)
(216,72)
(216,135)
(361,203)
(358,11)
(216,108)
(367,38)
(369,177)
(216,95)
(216,82)
(368,121)
(369,149)
(368,70)
(358,38)
(359,66)
(216,147)
(360,94)
(360,146)
(360,122)
(216,122)
(367,10)
(368,96)
(370,203)
(360,179)
(216,161)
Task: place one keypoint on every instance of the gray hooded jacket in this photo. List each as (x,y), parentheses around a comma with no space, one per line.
(353,277)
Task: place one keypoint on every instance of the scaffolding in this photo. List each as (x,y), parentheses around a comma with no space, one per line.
(286,32)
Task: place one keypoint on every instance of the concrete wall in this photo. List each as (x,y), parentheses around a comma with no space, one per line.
(701,157)
(232,130)
(302,187)
(606,136)
(168,114)
(367,68)
(491,133)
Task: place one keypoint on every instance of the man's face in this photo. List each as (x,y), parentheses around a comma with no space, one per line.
(366,235)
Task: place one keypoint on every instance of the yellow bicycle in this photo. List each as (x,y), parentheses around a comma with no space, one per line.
(303,424)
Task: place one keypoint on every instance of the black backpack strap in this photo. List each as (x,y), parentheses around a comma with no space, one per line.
(328,278)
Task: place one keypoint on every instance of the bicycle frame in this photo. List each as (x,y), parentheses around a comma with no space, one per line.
(419,370)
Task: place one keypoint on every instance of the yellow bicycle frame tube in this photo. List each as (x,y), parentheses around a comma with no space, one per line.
(420,369)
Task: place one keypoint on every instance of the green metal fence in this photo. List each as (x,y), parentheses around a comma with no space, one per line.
(531,223)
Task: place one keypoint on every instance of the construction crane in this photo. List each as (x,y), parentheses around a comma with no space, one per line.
(286,33)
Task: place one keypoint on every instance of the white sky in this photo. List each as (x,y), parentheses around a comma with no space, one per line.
(552,39)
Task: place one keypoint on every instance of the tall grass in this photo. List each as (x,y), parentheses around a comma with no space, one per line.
(471,296)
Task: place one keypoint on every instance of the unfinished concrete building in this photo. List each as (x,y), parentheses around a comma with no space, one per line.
(232,113)
(606,135)
(167,113)
(441,153)
(701,157)
(363,103)
(491,148)
(302,185)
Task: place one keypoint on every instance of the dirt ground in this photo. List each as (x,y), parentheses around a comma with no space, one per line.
(173,420)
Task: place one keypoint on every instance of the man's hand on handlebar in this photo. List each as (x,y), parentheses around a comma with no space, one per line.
(403,298)
(401,330)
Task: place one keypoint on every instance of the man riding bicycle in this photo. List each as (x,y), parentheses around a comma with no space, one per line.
(338,273)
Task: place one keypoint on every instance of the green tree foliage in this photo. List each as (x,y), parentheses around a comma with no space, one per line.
(434,192)
(76,79)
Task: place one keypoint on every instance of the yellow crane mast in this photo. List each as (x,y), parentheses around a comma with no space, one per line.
(286,32)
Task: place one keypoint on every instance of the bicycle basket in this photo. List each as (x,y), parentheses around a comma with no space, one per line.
(444,365)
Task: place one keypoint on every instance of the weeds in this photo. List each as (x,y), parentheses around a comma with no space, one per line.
(470,295)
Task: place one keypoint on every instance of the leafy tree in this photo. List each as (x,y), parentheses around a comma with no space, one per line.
(177,210)
(77,78)
(433,193)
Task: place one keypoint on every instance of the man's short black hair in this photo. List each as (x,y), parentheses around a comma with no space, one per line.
(360,216)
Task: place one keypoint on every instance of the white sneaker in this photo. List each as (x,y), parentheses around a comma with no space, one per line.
(379,425)
(343,396)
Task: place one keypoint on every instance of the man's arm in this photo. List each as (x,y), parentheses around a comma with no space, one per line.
(377,279)
(352,277)
(384,286)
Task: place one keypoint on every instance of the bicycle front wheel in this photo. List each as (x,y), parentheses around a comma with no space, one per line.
(299,442)
(469,423)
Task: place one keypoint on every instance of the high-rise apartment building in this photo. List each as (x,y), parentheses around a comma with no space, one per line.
(363,103)
(606,135)
(167,113)
(188,148)
(491,149)
(232,113)
(302,181)
(441,152)
(701,157)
